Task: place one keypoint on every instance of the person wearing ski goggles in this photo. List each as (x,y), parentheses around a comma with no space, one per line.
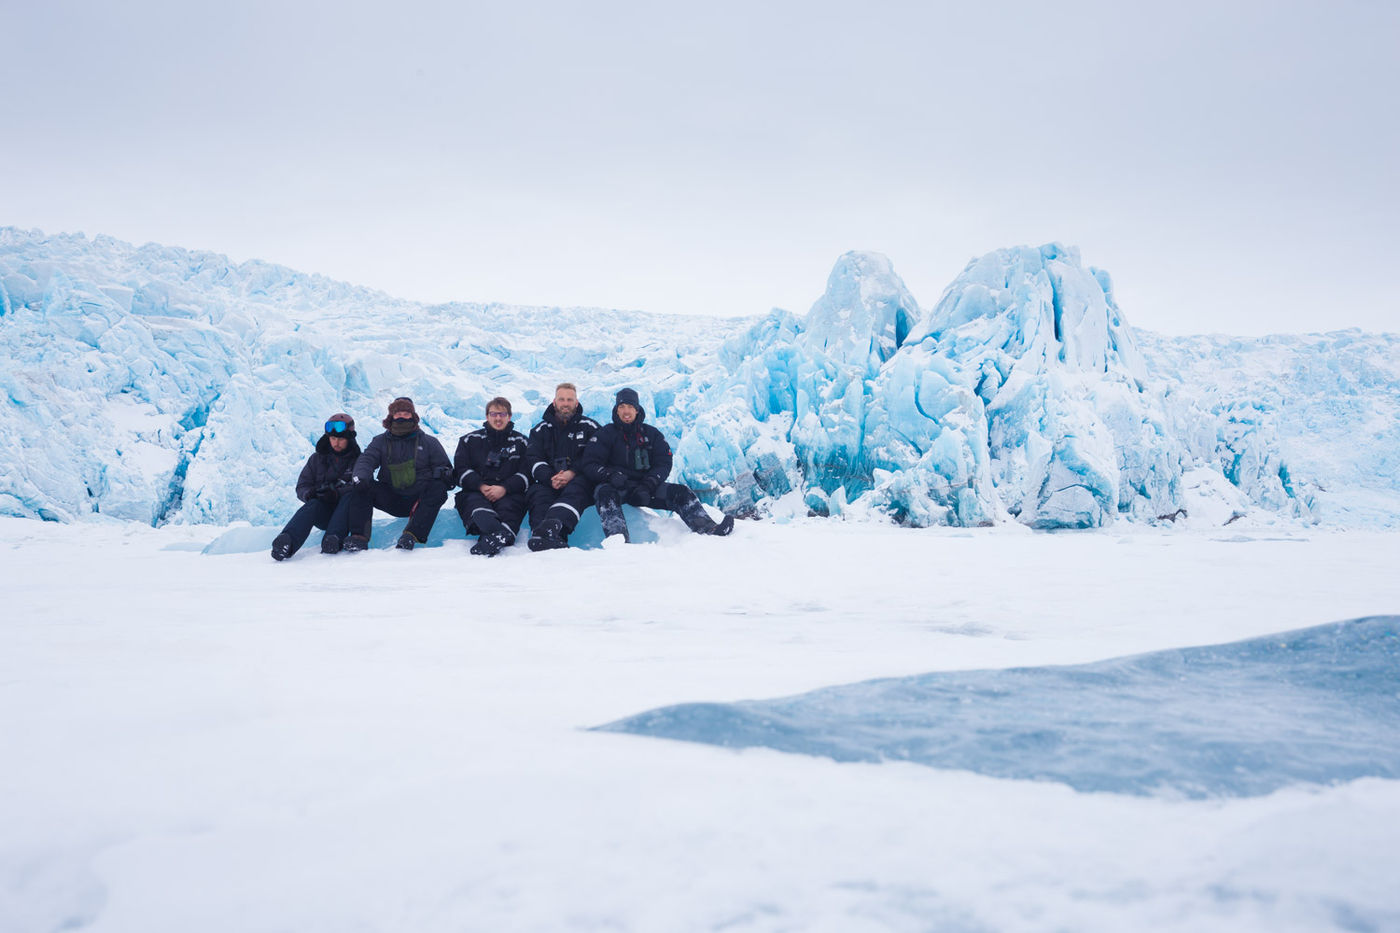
(321,486)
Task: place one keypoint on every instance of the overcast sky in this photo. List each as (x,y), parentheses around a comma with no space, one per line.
(1233,165)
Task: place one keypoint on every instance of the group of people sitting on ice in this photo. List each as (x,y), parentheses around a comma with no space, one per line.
(568,463)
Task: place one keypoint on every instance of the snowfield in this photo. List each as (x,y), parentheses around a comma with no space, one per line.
(197,738)
(400,741)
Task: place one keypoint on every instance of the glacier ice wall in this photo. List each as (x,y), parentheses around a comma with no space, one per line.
(1299,424)
(159,384)
(1021,394)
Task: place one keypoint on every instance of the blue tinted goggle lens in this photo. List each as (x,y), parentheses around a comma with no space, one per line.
(336,427)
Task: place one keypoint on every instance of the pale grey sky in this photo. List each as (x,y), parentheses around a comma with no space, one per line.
(1232,164)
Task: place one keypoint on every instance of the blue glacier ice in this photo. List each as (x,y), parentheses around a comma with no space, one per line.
(644,527)
(1020,394)
(1319,705)
(1291,419)
(157,384)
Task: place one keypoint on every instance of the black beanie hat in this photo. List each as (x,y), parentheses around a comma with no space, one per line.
(628,397)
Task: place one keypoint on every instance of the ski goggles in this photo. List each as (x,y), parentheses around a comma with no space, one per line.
(337,427)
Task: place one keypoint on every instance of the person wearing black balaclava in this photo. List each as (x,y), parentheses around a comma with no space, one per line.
(413,476)
(629,461)
(321,486)
(490,468)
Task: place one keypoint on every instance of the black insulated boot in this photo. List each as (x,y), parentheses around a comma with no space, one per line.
(548,536)
(282,546)
(492,543)
(698,520)
(330,544)
(406,542)
(356,543)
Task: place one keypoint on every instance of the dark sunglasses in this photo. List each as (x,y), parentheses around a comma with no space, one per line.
(337,427)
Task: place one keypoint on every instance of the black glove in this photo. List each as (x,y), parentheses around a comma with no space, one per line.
(638,495)
(327,494)
(618,479)
(652,484)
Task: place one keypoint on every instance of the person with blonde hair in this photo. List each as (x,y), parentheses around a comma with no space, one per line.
(559,492)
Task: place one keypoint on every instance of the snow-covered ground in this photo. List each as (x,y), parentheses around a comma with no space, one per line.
(392,741)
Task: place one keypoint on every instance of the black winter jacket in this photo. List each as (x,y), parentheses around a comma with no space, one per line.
(555,447)
(326,468)
(429,460)
(634,453)
(496,458)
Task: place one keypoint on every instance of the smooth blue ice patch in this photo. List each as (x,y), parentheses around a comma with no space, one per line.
(1319,705)
(644,527)
(386,531)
